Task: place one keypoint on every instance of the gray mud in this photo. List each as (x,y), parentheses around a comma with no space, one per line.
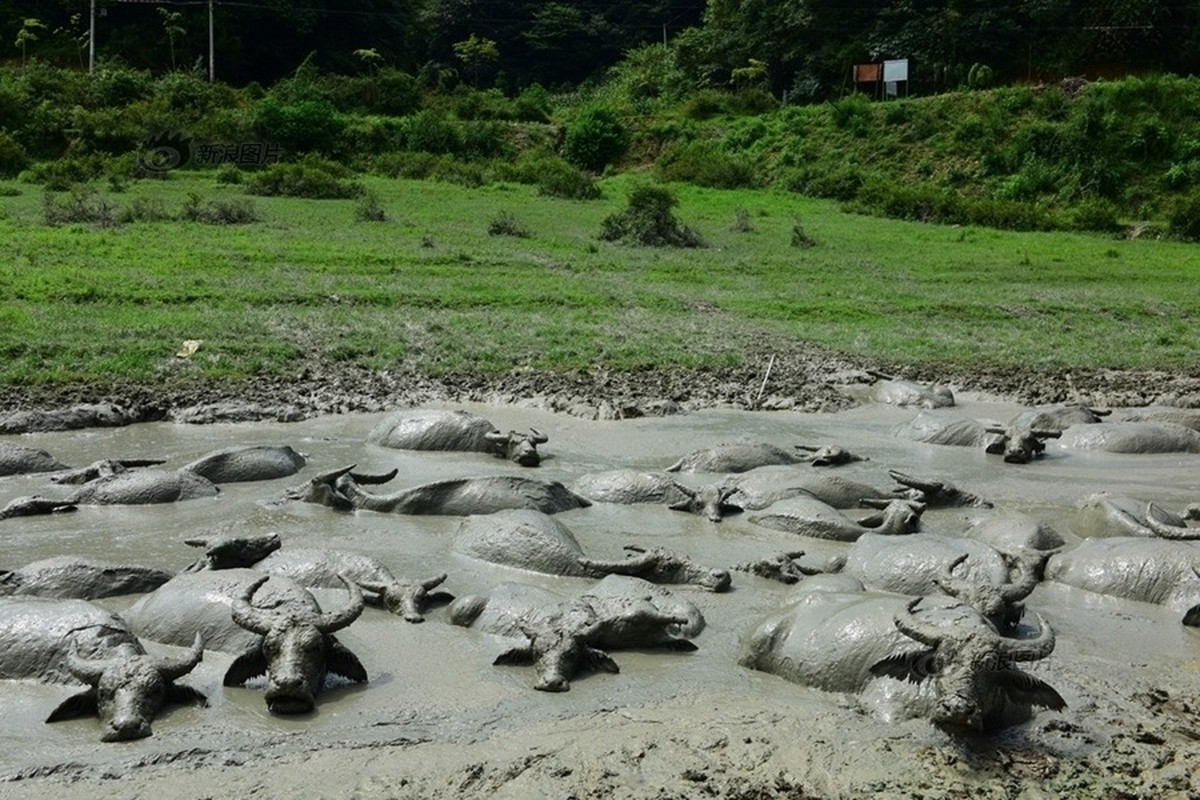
(438,720)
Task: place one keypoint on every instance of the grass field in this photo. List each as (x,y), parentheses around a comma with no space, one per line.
(430,288)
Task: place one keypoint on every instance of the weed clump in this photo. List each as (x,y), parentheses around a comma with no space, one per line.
(741,221)
(82,204)
(800,237)
(313,179)
(241,211)
(648,221)
(369,208)
(505,224)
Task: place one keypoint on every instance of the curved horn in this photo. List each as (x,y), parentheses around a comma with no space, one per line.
(1023,586)
(172,668)
(927,486)
(434,582)
(1029,649)
(955,587)
(87,670)
(255,620)
(538,437)
(373,480)
(1165,531)
(908,624)
(332,475)
(496,436)
(624,566)
(336,620)
(1046,434)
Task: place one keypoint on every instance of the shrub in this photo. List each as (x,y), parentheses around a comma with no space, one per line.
(649,221)
(595,139)
(82,204)
(300,126)
(404,164)
(431,132)
(13,157)
(1096,214)
(741,221)
(368,208)
(705,163)
(553,175)
(800,237)
(145,209)
(505,224)
(1183,217)
(302,180)
(213,211)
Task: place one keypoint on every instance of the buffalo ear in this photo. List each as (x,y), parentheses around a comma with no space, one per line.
(1021,687)
(341,661)
(913,666)
(249,664)
(600,661)
(516,657)
(185,696)
(1192,617)
(77,705)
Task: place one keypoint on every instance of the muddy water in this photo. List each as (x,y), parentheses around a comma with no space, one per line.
(435,699)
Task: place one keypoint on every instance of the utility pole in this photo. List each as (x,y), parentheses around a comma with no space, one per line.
(212,68)
(92,37)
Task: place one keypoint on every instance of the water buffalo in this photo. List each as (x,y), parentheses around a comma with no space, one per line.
(628,486)
(18,459)
(1158,571)
(1057,418)
(763,486)
(72,577)
(1188,417)
(945,428)
(935,493)
(735,457)
(64,641)
(945,662)
(902,392)
(1103,514)
(341,489)
(222,551)
(455,431)
(808,516)
(1018,536)
(921,565)
(253,463)
(565,637)
(87,415)
(32,505)
(534,541)
(318,567)
(274,625)
(1132,437)
(116,484)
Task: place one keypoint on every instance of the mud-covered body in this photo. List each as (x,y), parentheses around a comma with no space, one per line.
(252,463)
(73,577)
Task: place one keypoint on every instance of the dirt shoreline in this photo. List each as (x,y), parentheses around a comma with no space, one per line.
(804,379)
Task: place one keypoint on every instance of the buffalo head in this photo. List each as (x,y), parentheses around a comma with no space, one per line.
(1019,445)
(1001,605)
(711,502)
(520,448)
(407,599)
(976,682)
(127,688)
(297,649)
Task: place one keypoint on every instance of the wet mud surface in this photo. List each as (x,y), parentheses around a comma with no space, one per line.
(438,719)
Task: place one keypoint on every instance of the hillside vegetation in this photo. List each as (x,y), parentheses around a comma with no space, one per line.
(1105,155)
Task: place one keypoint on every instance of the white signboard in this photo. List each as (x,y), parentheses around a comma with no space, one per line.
(895,70)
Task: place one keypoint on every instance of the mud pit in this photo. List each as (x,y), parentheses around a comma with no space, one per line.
(437,719)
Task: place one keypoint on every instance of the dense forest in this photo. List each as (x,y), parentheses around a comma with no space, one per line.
(805,48)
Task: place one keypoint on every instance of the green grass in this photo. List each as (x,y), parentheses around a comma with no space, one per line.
(431,290)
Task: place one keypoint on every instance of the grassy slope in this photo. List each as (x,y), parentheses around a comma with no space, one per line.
(430,289)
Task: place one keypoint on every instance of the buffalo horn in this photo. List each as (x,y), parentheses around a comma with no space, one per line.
(538,437)
(87,670)
(1030,649)
(331,621)
(908,624)
(1166,531)
(927,486)
(1023,586)
(955,587)
(255,620)
(172,668)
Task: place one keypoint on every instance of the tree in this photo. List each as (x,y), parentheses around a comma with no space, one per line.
(27,34)
(171,21)
(474,52)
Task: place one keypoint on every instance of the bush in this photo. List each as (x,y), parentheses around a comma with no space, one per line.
(505,224)
(300,126)
(145,209)
(405,164)
(368,208)
(431,132)
(302,180)
(82,204)
(552,175)
(1095,214)
(1183,217)
(213,211)
(13,157)
(649,221)
(704,163)
(595,139)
